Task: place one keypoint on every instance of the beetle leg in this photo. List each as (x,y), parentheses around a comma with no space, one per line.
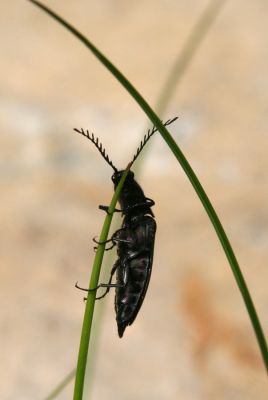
(124,240)
(109,282)
(100,285)
(106,208)
(125,275)
(149,202)
(113,239)
(106,241)
(108,285)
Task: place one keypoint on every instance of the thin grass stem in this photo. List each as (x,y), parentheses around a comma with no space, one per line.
(91,297)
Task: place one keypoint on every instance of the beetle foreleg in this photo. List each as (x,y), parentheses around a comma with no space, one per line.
(106,208)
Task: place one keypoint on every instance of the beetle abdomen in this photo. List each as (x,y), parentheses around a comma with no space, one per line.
(129,299)
(134,271)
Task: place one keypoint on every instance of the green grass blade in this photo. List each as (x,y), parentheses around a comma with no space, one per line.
(91,298)
(187,169)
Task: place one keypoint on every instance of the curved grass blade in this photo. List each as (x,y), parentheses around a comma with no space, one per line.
(189,172)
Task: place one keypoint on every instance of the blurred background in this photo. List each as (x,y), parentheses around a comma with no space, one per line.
(192,338)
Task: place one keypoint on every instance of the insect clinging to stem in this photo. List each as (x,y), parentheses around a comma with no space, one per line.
(134,240)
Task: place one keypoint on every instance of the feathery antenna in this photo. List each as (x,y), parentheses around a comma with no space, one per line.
(102,150)
(148,136)
(98,144)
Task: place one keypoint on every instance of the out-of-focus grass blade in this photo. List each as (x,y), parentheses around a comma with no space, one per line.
(185,56)
(58,389)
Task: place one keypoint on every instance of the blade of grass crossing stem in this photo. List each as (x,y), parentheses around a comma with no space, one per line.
(187,169)
(90,303)
(58,389)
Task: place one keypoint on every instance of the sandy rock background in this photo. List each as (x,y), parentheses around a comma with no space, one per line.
(192,338)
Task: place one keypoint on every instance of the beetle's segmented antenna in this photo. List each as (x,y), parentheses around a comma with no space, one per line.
(148,136)
(98,144)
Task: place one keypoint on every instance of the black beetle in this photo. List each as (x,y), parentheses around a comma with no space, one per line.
(135,241)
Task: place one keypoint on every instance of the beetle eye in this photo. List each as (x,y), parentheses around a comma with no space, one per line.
(115,177)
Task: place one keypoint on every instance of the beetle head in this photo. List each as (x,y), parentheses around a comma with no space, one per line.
(118,175)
